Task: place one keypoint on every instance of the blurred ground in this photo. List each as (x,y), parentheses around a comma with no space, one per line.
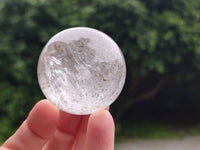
(187,143)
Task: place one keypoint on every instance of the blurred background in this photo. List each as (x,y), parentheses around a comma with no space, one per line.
(159,39)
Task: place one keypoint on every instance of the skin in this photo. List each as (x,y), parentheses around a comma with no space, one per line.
(47,128)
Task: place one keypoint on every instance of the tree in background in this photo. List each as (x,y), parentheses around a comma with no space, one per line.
(160,41)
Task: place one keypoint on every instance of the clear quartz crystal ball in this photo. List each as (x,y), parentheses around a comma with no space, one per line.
(81,70)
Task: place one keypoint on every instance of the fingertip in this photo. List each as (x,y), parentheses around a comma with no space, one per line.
(100,130)
(102,115)
(102,119)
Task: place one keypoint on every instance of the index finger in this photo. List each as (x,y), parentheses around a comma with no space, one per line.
(66,132)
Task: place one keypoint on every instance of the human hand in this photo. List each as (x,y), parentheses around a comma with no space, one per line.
(47,128)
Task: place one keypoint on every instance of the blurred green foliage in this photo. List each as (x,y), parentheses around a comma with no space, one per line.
(160,40)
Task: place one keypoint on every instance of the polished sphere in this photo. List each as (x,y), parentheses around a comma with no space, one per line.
(81,70)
